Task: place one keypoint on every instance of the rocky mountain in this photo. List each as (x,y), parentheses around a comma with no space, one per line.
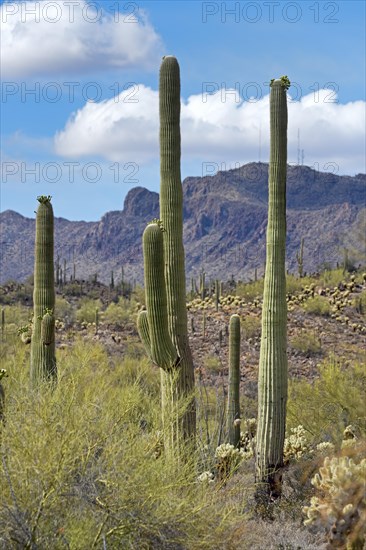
(225,219)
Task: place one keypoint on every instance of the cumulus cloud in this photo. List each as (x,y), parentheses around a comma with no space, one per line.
(73,37)
(220,128)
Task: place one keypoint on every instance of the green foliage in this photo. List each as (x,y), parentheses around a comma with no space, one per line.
(212,364)
(17,314)
(306,342)
(359,302)
(251,326)
(319,305)
(332,278)
(86,311)
(118,314)
(295,285)
(80,467)
(250,291)
(330,403)
(65,310)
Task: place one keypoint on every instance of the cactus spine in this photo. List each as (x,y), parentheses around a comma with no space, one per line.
(164,330)
(272,384)
(43,361)
(233,405)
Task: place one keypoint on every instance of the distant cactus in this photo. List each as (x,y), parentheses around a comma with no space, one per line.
(217,295)
(3,374)
(272,384)
(233,406)
(300,259)
(341,504)
(2,323)
(43,360)
(202,285)
(96,319)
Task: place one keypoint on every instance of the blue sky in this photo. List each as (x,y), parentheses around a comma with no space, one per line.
(79,109)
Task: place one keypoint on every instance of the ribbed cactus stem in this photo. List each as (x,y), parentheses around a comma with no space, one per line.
(193,289)
(217,295)
(272,387)
(48,329)
(164,327)
(233,405)
(43,360)
(162,350)
(171,215)
(2,322)
(300,259)
(202,285)
(96,319)
(144,331)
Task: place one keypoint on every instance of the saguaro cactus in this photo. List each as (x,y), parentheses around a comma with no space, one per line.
(43,361)
(272,386)
(300,259)
(233,404)
(165,335)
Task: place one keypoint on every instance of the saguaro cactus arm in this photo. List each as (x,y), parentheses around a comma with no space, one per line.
(162,350)
(48,328)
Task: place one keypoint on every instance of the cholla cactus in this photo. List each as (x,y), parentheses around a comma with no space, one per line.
(341,506)
(228,459)
(248,438)
(296,445)
(206,477)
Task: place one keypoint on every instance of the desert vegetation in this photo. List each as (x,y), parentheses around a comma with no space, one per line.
(224,415)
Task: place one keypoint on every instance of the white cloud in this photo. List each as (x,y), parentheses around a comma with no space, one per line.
(71,37)
(218,131)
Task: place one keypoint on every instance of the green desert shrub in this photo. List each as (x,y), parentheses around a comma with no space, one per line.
(332,278)
(251,326)
(306,342)
(81,466)
(295,284)
(250,291)
(86,311)
(118,314)
(17,314)
(327,405)
(64,310)
(359,302)
(319,305)
(213,364)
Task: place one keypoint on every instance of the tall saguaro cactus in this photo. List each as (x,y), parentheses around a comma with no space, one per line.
(272,387)
(43,361)
(163,328)
(233,405)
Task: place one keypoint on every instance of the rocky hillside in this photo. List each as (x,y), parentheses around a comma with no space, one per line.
(225,221)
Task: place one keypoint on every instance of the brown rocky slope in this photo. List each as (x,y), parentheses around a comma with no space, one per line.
(225,221)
